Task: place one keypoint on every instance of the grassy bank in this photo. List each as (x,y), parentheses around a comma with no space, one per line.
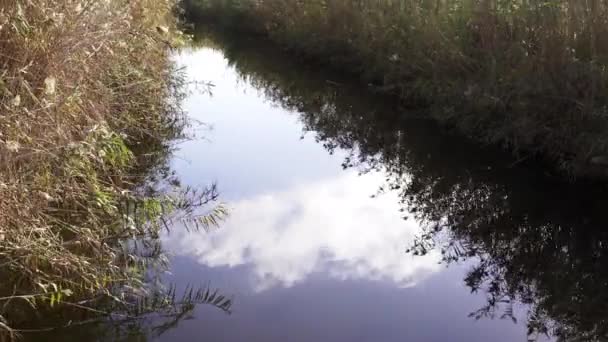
(90,101)
(530,75)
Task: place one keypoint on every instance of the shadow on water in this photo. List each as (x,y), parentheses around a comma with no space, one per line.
(124,312)
(534,239)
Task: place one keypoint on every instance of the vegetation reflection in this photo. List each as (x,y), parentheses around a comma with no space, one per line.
(536,241)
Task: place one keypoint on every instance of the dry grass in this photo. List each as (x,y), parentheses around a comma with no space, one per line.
(88,99)
(528,74)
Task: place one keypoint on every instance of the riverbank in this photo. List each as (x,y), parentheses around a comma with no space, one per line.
(90,101)
(529,77)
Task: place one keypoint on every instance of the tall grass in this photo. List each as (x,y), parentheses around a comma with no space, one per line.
(524,73)
(89,100)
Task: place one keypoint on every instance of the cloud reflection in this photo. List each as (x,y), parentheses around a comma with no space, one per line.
(332,226)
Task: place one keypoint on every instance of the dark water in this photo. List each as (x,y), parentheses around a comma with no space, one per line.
(352,220)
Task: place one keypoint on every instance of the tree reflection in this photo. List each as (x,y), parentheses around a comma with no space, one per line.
(538,241)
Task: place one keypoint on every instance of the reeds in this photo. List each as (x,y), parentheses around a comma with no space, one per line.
(89,100)
(527,74)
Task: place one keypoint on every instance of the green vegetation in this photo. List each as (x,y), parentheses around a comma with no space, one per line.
(90,102)
(530,75)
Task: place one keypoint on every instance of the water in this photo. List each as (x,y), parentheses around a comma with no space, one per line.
(307,253)
(334,190)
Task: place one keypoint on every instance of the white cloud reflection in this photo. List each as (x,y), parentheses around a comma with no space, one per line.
(331,226)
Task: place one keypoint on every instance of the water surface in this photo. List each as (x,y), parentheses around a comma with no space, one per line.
(307,252)
(312,250)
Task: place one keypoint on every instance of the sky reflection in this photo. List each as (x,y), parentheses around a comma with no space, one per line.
(331,226)
(306,252)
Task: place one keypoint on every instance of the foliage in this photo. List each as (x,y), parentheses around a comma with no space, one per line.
(90,102)
(530,75)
